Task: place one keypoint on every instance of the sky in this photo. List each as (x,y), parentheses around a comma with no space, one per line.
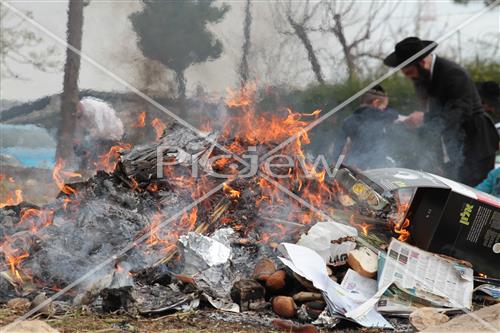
(109,40)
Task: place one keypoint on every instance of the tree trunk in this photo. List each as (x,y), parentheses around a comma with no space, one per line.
(181,88)
(339,32)
(70,98)
(302,35)
(246,44)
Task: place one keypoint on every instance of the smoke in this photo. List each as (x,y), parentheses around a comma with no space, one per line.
(106,218)
(399,145)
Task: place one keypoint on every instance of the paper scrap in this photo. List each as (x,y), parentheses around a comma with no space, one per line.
(309,264)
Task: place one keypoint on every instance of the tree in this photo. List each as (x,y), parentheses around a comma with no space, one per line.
(298,16)
(244,71)
(363,22)
(70,98)
(21,45)
(175,33)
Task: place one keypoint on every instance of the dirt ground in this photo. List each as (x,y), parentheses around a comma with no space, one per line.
(196,321)
(186,322)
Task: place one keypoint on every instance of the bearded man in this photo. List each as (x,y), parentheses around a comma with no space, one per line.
(455,127)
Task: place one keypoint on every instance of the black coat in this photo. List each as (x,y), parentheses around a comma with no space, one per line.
(370,132)
(456,117)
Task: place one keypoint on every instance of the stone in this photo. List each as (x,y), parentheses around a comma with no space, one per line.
(289,326)
(427,317)
(276,281)
(485,320)
(284,306)
(19,303)
(248,294)
(264,269)
(29,326)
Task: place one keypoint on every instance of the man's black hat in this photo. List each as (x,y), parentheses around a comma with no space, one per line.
(490,93)
(408,47)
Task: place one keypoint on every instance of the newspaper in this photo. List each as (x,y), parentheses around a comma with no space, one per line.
(402,302)
(489,289)
(427,277)
(310,265)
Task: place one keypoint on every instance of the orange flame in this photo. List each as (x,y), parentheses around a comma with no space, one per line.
(57,174)
(364,228)
(159,127)
(230,191)
(13,197)
(402,231)
(13,255)
(141,120)
(108,161)
(399,222)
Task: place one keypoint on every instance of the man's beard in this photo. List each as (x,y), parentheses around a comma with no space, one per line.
(423,82)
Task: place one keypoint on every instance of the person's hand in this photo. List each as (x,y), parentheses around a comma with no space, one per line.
(415,119)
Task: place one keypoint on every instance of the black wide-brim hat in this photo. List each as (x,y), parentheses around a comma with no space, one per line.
(407,48)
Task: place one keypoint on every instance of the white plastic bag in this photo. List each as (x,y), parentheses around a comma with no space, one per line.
(100,120)
(331,240)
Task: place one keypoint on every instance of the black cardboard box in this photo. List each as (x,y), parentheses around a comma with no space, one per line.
(447,217)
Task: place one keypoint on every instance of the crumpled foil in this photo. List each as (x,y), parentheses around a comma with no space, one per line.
(202,252)
(208,260)
(326,320)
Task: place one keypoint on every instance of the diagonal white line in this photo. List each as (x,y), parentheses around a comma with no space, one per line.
(380,79)
(117,255)
(360,240)
(120,80)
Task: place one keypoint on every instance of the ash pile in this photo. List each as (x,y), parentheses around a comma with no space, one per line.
(133,242)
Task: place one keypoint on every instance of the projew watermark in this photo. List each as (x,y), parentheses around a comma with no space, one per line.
(277,165)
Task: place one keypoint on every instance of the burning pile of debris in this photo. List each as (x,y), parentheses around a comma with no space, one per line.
(181,224)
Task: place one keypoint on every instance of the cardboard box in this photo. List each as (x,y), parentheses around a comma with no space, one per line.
(447,217)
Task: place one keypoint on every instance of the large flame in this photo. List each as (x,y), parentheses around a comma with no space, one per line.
(247,127)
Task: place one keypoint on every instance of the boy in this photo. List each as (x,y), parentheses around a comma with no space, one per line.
(368,131)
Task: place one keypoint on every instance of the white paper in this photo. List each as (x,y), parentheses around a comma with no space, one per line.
(359,286)
(413,268)
(310,265)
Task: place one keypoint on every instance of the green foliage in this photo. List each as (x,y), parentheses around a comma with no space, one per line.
(327,96)
(481,71)
(485,71)
(175,32)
